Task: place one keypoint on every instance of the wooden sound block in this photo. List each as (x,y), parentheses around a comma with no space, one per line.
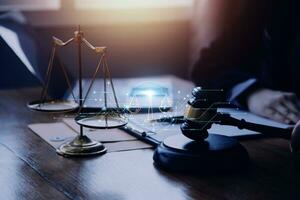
(215,153)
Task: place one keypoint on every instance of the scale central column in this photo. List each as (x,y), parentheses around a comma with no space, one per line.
(78,39)
(81,145)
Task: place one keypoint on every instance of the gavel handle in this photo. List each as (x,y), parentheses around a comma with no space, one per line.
(226,119)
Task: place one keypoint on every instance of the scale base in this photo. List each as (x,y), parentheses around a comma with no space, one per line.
(81,146)
(215,154)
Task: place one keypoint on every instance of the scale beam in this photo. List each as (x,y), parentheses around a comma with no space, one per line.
(60,42)
(100,50)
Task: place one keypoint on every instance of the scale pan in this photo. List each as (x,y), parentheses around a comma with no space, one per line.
(101,121)
(53,106)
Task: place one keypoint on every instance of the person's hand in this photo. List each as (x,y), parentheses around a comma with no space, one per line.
(276,105)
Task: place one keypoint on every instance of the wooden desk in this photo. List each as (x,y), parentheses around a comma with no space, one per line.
(30,168)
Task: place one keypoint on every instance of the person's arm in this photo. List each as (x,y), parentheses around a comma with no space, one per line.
(227,39)
(227,36)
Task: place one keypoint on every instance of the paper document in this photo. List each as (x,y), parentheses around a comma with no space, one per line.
(114,140)
(249,117)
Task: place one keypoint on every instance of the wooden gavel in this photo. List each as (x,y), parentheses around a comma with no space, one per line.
(202,112)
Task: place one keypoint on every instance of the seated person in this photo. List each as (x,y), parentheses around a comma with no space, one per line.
(251,49)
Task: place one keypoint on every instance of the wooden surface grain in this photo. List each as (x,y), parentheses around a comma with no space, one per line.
(30,168)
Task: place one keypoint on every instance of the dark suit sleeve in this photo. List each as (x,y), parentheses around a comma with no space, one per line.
(232,61)
(229,67)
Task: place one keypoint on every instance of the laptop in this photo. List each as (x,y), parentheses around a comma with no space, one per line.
(134,94)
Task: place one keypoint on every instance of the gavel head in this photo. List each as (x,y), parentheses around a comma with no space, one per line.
(201,113)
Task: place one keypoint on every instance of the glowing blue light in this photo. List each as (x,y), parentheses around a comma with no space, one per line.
(148,93)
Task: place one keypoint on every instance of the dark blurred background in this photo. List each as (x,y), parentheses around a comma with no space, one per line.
(143,37)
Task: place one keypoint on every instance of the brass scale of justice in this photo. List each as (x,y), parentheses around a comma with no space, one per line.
(81,145)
